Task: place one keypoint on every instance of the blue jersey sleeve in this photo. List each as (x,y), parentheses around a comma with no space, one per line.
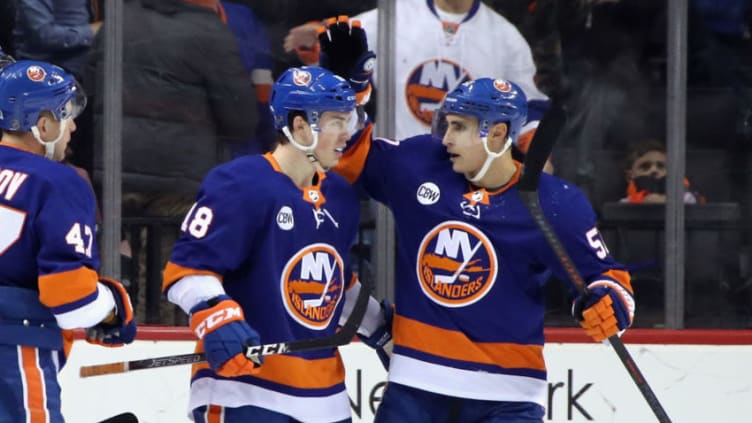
(66,226)
(219,230)
(377,164)
(572,218)
(67,259)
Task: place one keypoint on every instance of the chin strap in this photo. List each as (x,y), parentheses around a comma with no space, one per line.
(308,150)
(490,157)
(49,146)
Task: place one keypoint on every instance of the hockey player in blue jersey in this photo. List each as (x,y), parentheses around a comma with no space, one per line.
(48,251)
(471,262)
(263,257)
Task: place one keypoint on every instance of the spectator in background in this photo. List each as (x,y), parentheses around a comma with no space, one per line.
(537,21)
(255,52)
(281,15)
(645,172)
(443,43)
(56,31)
(61,32)
(186,99)
(605,79)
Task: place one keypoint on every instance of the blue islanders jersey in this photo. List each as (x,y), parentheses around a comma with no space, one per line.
(471,269)
(48,250)
(282,253)
(48,279)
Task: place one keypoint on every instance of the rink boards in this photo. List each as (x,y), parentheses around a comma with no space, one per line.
(699,376)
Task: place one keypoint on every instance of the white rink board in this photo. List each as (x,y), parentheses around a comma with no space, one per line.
(695,383)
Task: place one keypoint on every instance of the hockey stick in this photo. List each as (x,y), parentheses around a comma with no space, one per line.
(122,418)
(540,149)
(342,337)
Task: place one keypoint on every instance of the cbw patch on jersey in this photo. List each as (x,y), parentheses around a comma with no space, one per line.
(456,264)
(312,285)
(427,84)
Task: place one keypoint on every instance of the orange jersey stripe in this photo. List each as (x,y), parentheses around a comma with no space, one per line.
(455,345)
(352,162)
(174,272)
(215,414)
(32,379)
(301,373)
(294,371)
(62,288)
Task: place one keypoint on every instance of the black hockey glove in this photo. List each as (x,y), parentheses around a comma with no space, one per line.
(344,51)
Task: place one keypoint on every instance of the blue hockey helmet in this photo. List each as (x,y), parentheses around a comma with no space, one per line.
(28,88)
(312,90)
(491,101)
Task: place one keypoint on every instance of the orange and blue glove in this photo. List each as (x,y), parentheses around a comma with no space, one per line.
(219,322)
(604,310)
(120,328)
(344,51)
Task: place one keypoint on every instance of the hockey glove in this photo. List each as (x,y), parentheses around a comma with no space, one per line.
(381,338)
(119,328)
(604,310)
(344,51)
(220,323)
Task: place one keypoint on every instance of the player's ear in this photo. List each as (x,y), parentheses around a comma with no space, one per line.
(498,133)
(44,123)
(299,124)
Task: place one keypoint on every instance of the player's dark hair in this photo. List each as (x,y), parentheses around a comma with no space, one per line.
(281,138)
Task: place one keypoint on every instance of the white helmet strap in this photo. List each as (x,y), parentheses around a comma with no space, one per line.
(490,157)
(308,150)
(49,146)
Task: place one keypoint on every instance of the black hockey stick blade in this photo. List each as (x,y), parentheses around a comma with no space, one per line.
(122,418)
(540,149)
(342,337)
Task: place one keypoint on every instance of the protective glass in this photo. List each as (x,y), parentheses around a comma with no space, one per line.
(439,123)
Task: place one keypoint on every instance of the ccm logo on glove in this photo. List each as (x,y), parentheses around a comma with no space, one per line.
(218,318)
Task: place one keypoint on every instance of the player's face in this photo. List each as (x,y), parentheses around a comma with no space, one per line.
(652,163)
(333,137)
(462,142)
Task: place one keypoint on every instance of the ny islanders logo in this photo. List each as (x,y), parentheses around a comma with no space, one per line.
(312,285)
(428,83)
(301,77)
(36,73)
(457,264)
